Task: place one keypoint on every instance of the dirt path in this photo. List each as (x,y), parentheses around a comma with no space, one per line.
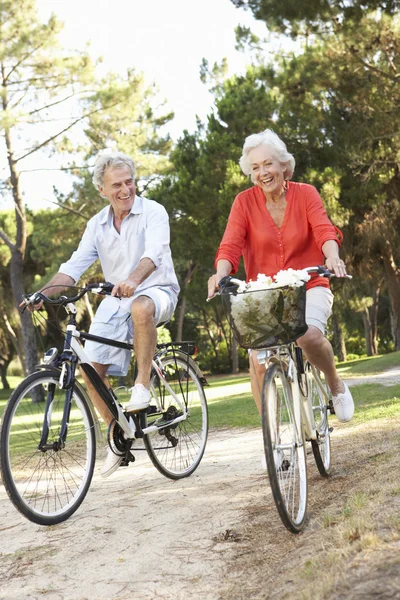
(215,535)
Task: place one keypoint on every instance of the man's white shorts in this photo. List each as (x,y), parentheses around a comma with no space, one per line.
(113,321)
(319,301)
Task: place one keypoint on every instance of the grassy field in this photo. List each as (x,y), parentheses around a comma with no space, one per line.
(231,403)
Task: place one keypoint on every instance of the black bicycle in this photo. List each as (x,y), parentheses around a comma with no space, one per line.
(49,427)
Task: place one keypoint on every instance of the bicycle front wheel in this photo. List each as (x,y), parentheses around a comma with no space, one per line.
(320,396)
(48,483)
(176,449)
(284,449)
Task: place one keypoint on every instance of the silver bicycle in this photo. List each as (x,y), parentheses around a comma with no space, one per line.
(295,399)
(49,426)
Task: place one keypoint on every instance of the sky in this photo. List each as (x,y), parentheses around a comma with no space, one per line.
(165,39)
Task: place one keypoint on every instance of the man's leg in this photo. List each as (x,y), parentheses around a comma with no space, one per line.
(144,337)
(94,395)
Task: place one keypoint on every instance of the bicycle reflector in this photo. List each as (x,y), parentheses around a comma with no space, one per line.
(50,356)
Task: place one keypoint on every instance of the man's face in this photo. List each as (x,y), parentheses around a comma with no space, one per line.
(119,188)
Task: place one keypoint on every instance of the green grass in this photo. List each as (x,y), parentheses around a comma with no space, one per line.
(373,401)
(370,365)
(231,404)
(233,411)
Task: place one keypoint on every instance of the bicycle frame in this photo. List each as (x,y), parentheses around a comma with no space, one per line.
(300,398)
(74,353)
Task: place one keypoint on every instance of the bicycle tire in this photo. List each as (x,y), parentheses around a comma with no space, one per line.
(284,449)
(320,405)
(177,451)
(46,486)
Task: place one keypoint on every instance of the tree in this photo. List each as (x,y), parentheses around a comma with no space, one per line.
(37,78)
(346,78)
(43,85)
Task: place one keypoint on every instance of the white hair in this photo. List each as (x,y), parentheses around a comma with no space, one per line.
(272,140)
(115,160)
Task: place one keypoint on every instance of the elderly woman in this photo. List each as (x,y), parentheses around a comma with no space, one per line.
(279,224)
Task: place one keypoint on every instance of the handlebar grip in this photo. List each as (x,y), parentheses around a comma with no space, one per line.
(107,287)
(228,285)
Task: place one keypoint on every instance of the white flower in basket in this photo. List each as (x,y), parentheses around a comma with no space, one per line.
(269,311)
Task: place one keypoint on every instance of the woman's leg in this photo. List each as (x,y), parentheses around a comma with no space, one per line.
(257,373)
(320,353)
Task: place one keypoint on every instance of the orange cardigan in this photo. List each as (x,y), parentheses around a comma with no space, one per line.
(265,247)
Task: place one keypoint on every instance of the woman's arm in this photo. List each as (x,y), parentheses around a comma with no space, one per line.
(224,268)
(333,261)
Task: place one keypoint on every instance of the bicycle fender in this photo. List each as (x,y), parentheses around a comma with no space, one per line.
(57,372)
(183,356)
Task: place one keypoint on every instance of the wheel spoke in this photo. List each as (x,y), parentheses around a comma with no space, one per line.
(189,437)
(284,450)
(46,486)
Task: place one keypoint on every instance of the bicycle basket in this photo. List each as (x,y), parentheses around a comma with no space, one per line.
(265,318)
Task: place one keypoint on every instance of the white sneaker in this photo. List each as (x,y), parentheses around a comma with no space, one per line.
(111,463)
(343,405)
(140,398)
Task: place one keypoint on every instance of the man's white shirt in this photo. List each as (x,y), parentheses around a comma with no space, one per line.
(144,234)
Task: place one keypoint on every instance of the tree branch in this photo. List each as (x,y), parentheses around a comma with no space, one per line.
(22,60)
(7,240)
(53,137)
(69,209)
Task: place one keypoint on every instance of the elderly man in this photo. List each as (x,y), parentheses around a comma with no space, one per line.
(130,237)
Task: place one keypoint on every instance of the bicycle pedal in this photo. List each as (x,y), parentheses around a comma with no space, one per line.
(128,459)
(330,429)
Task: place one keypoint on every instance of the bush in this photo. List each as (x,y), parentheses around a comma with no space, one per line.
(15,368)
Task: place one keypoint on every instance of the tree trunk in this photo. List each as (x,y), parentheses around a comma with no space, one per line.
(180,319)
(182,306)
(28,330)
(339,344)
(234,356)
(374,317)
(18,347)
(367,331)
(392,273)
(3,374)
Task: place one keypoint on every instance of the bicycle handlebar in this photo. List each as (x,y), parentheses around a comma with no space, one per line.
(104,288)
(229,285)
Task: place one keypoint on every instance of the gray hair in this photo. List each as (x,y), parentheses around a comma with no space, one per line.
(113,161)
(272,140)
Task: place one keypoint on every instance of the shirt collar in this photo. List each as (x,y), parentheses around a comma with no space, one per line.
(107,216)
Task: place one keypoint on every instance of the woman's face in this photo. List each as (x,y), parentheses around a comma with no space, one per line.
(266,171)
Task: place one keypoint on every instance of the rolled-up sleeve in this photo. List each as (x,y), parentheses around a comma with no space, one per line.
(233,240)
(321,226)
(83,257)
(157,235)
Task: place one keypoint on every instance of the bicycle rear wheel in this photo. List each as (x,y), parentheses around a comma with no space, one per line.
(46,485)
(320,395)
(176,450)
(284,449)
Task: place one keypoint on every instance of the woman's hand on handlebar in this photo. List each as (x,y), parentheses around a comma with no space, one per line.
(337,266)
(213,285)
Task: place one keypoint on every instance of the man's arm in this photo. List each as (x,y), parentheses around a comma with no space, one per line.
(128,287)
(57,284)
